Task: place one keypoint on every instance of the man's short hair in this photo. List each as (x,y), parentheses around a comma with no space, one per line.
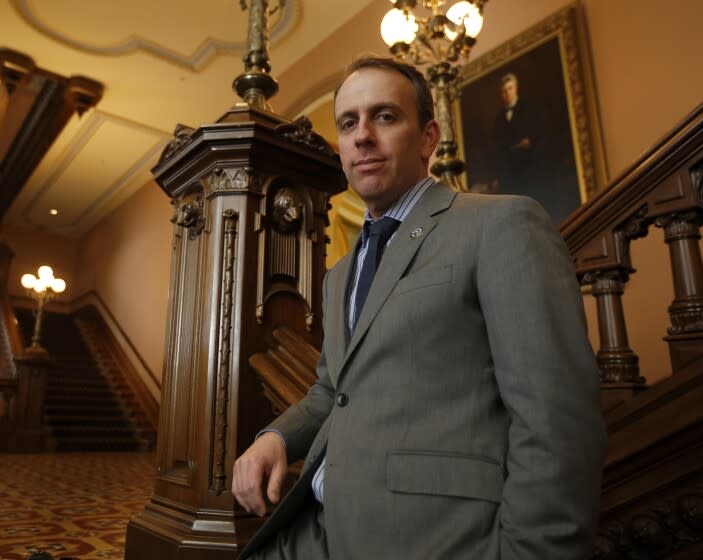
(509,77)
(423,95)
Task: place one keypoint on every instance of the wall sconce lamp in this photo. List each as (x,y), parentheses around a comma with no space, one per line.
(42,289)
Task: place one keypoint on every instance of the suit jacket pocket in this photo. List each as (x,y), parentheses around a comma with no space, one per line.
(436,473)
(423,279)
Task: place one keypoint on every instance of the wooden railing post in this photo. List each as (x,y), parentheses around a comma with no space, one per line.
(30,435)
(619,365)
(681,231)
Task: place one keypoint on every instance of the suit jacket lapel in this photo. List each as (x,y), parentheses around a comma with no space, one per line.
(407,240)
(337,338)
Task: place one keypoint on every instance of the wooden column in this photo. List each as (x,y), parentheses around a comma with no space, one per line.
(250,196)
(681,231)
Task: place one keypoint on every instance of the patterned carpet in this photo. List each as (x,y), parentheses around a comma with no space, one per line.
(71,504)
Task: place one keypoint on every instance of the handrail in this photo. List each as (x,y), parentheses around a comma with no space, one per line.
(84,299)
(664,188)
(633,185)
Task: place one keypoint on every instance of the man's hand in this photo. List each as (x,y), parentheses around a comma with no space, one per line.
(266,458)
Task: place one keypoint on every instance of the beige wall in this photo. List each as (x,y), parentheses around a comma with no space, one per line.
(125,258)
(34,248)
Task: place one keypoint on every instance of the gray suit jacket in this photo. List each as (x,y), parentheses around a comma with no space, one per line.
(472,427)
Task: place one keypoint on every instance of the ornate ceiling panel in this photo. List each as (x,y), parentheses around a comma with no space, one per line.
(182,33)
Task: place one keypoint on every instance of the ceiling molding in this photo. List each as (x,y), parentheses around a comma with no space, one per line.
(197,61)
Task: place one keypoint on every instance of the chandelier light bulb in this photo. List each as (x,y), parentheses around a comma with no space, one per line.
(46,273)
(28,281)
(397,27)
(468,14)
(58,285)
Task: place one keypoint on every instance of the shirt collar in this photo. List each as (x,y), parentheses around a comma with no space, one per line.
(401,208)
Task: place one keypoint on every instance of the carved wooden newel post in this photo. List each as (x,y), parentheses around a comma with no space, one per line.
(250,196)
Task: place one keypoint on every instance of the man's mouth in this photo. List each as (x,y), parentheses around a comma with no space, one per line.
(368,163)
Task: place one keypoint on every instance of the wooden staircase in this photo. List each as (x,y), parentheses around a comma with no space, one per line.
(87,407)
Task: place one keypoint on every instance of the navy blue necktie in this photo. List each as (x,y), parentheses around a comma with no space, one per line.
(378,232)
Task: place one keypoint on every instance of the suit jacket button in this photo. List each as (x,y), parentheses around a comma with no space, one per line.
(342,399)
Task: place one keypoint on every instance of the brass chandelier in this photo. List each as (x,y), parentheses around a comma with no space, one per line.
(443,41)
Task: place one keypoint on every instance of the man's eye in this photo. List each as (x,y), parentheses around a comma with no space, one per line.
(386,117)
(346,124)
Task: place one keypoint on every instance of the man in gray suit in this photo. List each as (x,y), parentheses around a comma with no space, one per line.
(456,411)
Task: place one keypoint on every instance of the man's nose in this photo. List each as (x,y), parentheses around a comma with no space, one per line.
(364,133)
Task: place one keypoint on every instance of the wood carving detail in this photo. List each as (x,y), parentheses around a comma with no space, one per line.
(287,210)
(300,132)
(232,179)
(285,249)
(191,216)
(219,474)
(681,225)
(181,137)
(656,532)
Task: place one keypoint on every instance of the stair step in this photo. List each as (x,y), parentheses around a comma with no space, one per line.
(89,406)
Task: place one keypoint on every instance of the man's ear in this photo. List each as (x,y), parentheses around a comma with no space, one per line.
(430,138)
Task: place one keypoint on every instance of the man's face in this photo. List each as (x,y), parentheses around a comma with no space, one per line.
(383,150)
(509,93)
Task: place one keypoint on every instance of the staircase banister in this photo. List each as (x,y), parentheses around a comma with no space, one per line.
(625,194)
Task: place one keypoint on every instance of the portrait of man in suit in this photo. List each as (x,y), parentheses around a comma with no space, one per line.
(456,410)
(516,130)
(516,127)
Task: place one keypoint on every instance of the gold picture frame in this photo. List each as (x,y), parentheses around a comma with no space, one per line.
(550,63)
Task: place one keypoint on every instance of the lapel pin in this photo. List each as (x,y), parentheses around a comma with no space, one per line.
(417,232)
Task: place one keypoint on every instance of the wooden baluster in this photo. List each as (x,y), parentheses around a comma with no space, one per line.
(618,364)
(681,231)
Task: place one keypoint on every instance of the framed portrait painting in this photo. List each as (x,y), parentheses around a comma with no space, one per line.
(528,121)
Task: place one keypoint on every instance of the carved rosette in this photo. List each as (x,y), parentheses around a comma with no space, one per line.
(657,532)
(232,179)
(300,132)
